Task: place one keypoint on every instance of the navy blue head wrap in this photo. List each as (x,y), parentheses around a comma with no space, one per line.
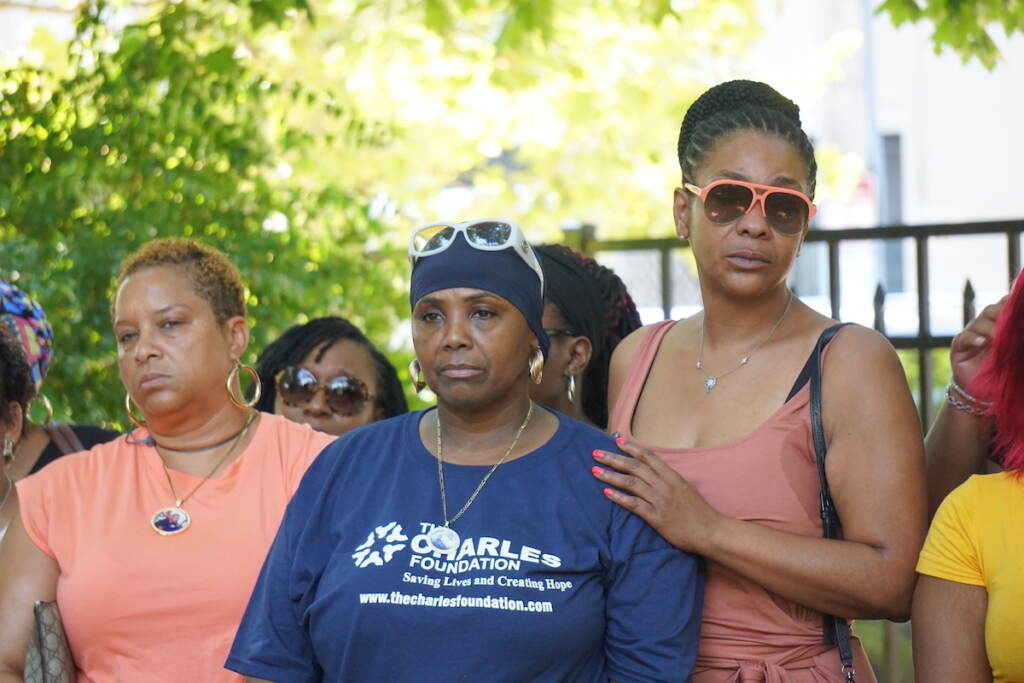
(500,272)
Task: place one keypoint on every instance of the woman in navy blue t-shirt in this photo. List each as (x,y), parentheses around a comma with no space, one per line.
(465,542)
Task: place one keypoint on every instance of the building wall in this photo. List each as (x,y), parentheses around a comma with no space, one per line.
(959,143)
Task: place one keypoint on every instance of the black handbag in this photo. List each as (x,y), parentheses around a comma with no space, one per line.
(836,630)
(49,658)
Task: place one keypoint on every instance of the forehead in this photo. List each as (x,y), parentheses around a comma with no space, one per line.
(343,355)
(461,295)
(553,316)
(757,157)
(158,287)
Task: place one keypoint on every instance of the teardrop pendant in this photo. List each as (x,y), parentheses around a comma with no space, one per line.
(709,384)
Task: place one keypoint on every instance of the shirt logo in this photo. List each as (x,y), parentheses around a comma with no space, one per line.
(388,538)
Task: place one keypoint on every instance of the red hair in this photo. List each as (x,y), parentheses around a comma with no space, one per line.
(1001,380)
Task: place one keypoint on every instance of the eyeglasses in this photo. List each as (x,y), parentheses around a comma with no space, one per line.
(485,234)
(559,332)
(787,211)
(345,395)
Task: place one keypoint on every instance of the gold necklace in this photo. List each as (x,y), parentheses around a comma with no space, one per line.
(711,380)
(444,539)
(173,519)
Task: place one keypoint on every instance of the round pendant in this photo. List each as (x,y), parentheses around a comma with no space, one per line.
(443,539)
(171,520)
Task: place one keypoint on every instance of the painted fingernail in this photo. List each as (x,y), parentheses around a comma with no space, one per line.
(619,440)
(597,455)
(597,470)
(609,493)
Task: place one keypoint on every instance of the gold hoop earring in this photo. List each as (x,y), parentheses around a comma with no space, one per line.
(416,374)
(47,406)
(8,451)
(257,385)
(141,424)
(537,366)
(570,389)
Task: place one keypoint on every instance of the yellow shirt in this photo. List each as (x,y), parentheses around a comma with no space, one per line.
(977,538)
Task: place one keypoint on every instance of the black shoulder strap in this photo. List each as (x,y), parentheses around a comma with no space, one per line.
(63,437)
(836,630)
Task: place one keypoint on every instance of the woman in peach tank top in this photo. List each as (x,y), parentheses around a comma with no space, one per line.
(150,544)
(714,410)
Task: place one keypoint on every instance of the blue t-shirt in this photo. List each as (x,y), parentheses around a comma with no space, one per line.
(551,582)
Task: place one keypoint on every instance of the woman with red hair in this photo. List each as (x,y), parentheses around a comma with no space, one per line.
(968,624)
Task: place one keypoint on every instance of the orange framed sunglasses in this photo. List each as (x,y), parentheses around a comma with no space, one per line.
(787,211)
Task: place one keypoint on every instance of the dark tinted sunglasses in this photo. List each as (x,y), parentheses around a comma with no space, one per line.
(787,211)
(345,395)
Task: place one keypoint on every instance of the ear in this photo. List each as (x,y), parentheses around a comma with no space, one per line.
(680,204)
(12,430)
(236,331)
(580,353)
(378,414)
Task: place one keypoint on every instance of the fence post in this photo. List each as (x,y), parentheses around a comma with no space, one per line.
(968,303)
(578,236)
(880,308)
(1013,252)
(666,283)
(924,330)
(833,277)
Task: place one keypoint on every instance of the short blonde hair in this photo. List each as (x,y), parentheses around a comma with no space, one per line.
(211,273)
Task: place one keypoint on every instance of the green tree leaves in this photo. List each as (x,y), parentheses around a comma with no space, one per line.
(161,129)
(962,25)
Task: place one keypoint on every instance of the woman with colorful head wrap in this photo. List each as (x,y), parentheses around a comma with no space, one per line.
(40,444)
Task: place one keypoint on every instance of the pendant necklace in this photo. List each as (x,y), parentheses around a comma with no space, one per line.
(173,519)
(711,380)
(444,539)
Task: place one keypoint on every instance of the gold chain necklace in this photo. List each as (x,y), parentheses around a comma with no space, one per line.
(173,519)
(711,380)
(444,539)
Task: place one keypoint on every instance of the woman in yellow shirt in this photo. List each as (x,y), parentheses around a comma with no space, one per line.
(967,616)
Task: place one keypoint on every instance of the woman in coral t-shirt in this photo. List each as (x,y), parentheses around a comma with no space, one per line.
(151,544)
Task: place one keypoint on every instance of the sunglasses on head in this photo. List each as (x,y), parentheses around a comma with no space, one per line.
(787,211)
(345,395)
(486,234)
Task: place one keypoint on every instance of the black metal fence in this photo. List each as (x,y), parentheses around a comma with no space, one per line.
(921,344)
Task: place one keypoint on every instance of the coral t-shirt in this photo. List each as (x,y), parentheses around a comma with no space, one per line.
(138,606)
(976,538)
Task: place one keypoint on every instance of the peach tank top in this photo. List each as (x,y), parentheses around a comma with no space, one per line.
(768,477)
(144,608)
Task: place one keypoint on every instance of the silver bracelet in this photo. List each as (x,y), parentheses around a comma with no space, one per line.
(976,408)
(963,392)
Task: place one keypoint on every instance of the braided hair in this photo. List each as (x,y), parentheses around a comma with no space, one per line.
(595,303)
(740,105)
(299,340)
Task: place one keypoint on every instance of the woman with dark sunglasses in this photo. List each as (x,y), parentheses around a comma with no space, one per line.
(715,411)
(479,547)
(327,374)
